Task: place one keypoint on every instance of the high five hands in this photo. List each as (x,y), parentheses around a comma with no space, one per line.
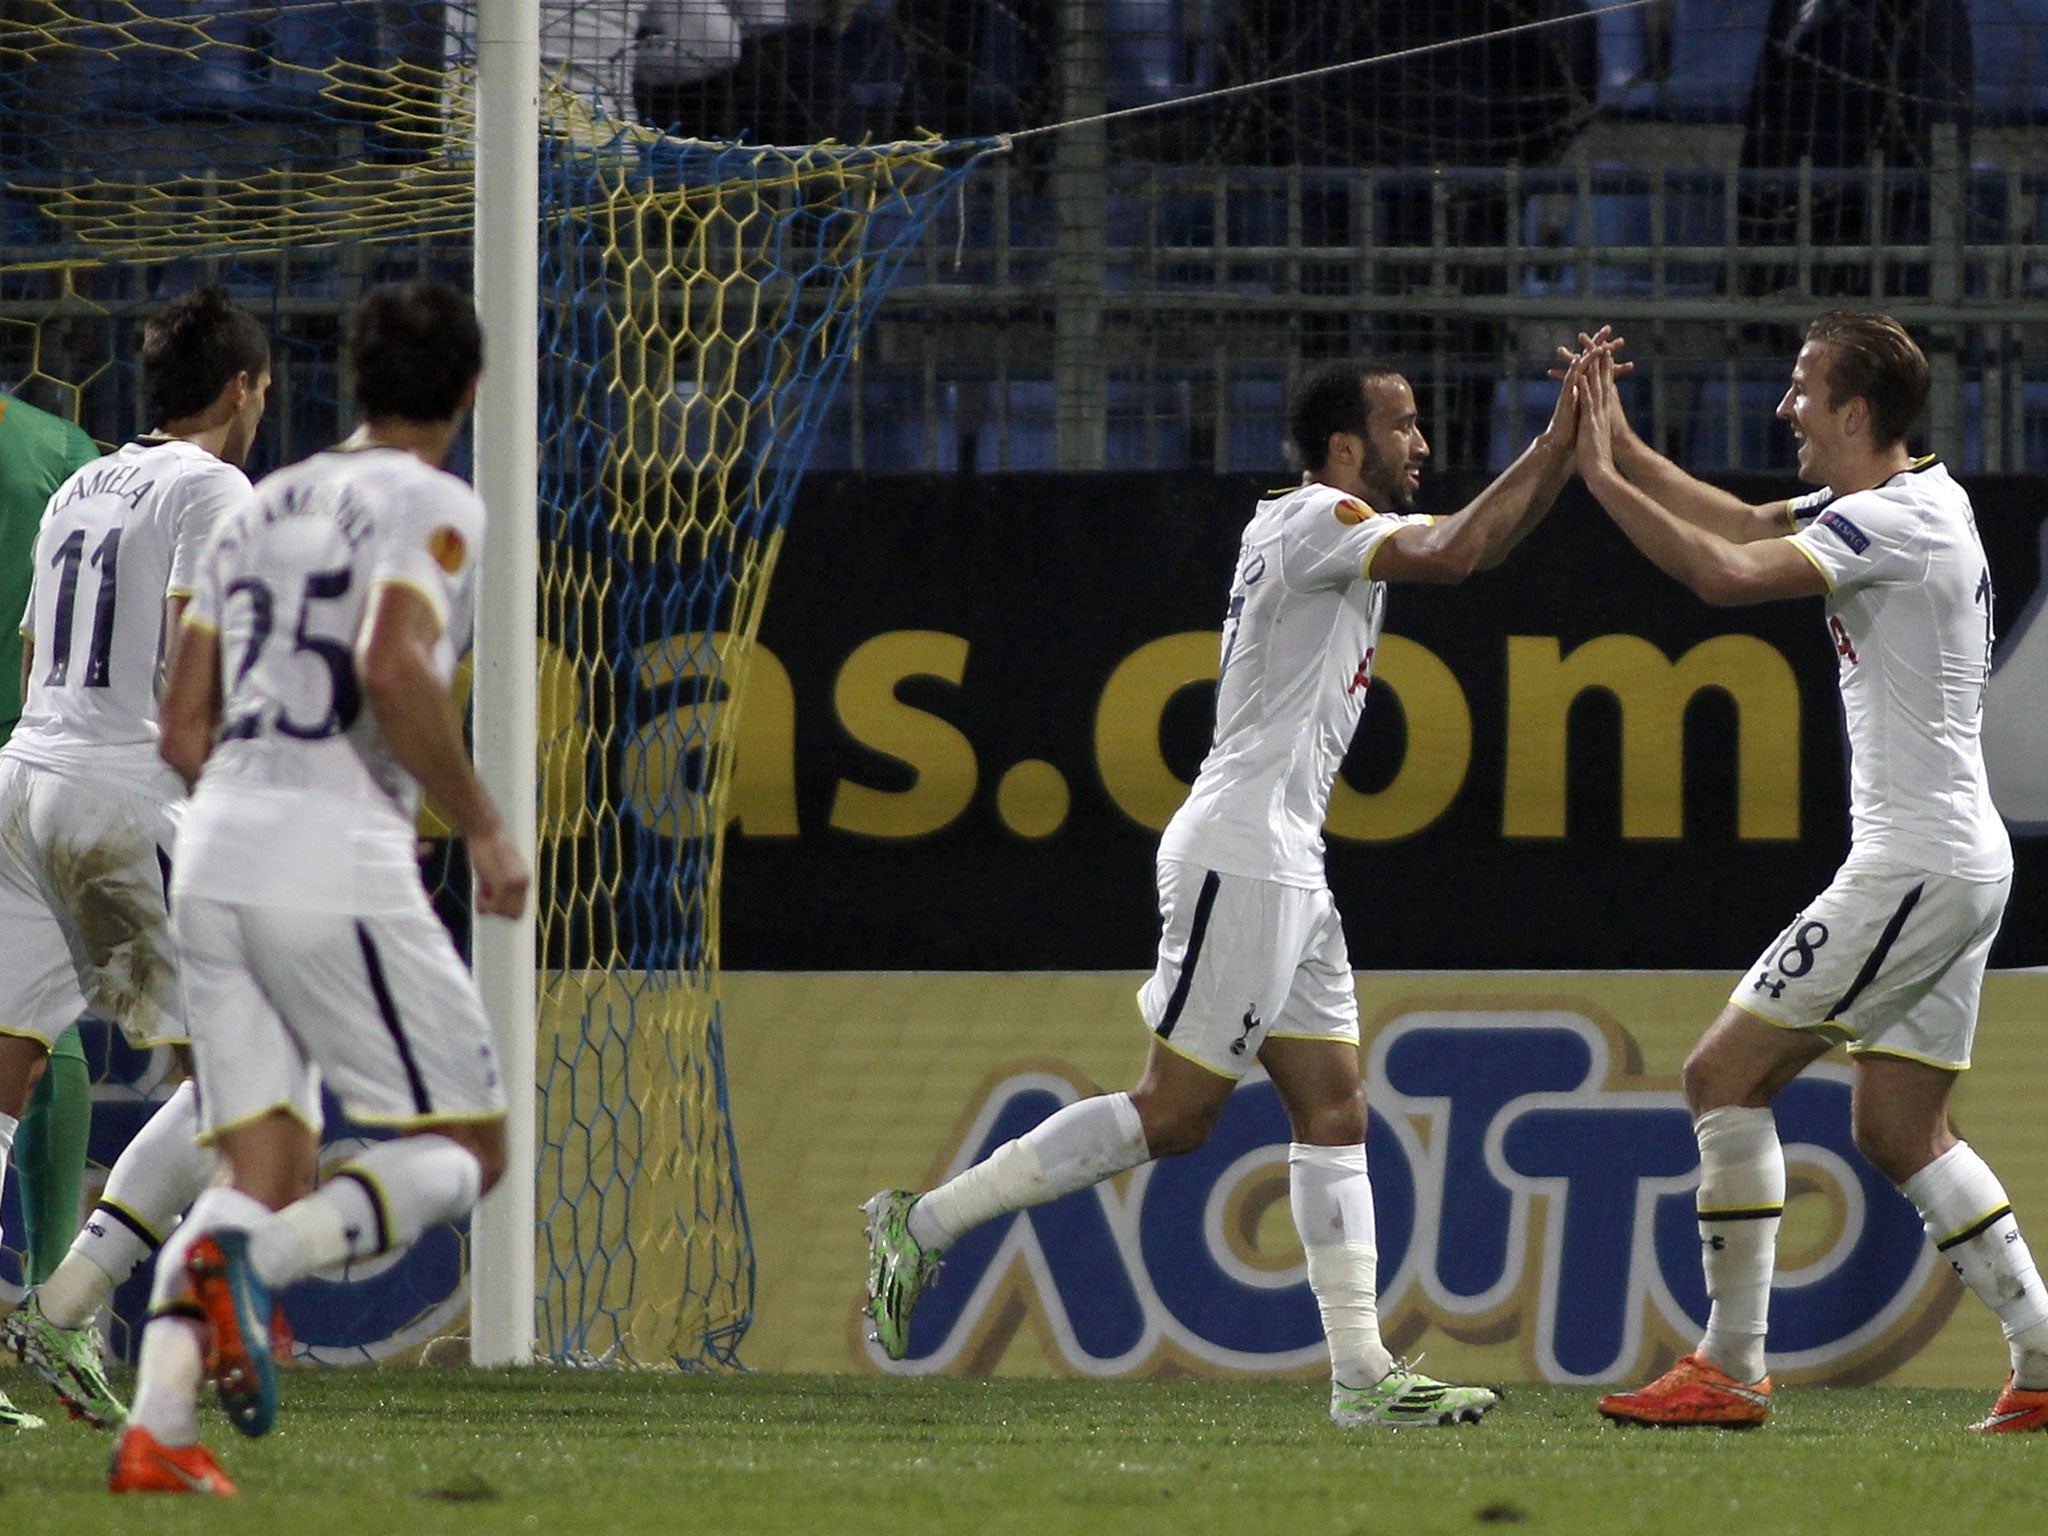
(1590,401)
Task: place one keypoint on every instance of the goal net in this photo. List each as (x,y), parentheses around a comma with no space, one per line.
(699,303)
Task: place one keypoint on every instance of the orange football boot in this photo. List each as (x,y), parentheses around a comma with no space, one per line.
(1694,1392)
(144,1464)
(2016,1409)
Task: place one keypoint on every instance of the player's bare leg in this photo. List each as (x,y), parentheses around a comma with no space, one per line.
(1171,1110)
(1902,1126)
(1330,1191)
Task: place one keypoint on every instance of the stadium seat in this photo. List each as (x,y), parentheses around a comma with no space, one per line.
(1160,49)
(1715,46)
(1766,442)
(2009,39)
(293,41)
(1520,411)
(1258,426)
(1029,404)
(871,65)
(1619,212)
(1168,403)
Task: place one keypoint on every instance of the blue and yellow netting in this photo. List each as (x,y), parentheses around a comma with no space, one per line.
(699,303)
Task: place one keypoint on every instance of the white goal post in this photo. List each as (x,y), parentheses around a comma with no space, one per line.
(505,435)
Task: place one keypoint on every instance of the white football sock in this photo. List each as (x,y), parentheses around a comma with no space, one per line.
(172,1364)
(167,1384)
(1741,1206)
(161,1171)
(1082,1144)
(376,1202)
(1330,1193)
(1968,1216)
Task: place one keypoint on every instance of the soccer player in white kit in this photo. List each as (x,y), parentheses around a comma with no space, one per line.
(1252,963)
(1890,957)
(310,702)
(87,807)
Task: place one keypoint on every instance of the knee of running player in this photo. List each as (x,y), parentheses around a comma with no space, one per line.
(1896,1142)
(485,1141)
(1176,1120)
(22,1060)
(1716,1077)
(1335,1122)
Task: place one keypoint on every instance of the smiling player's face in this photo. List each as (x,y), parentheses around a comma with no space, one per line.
(1394,445)
(1817,417)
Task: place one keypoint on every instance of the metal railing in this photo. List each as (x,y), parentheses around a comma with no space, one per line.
(1218,287)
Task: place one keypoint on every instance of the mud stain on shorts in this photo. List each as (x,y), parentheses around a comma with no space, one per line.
(117,918)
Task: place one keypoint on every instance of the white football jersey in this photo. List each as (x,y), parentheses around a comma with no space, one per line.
(1909,615)
(1298,643)
(302,803)
(117,538)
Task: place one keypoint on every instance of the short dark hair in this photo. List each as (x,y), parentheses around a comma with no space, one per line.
(194,350)
(1333,400)
(1872,356)
(413,350)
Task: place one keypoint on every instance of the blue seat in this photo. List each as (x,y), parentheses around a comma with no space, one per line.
(2009,39)
(1160,49)
(1169,406)
(261,63)
(1520,410)
(1766,442)
(1715,48)
(1258,427)
(1619,212)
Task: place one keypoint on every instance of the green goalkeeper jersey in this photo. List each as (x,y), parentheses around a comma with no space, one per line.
(38,452)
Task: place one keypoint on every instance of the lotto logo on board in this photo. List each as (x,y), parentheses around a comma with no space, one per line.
(1533,1194)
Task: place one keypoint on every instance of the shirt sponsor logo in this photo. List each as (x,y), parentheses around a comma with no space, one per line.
(1844,530)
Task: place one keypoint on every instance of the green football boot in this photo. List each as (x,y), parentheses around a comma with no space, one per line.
(1406,1396)
(68,1359)
(898,1269)
(12,1417)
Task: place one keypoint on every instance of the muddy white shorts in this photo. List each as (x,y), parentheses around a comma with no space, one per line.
(1888,958)
(1242,961)
(84,865)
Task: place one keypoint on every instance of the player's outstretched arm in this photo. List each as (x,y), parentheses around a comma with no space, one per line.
(1720,570)
(1704,506)
(395,661)
(1498,518)
(188,716)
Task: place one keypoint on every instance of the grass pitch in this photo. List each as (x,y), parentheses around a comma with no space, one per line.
(420,1452)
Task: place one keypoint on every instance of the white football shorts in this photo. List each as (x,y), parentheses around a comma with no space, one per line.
(1242,961)
(380,1004)
(1887,958)
(84,867)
